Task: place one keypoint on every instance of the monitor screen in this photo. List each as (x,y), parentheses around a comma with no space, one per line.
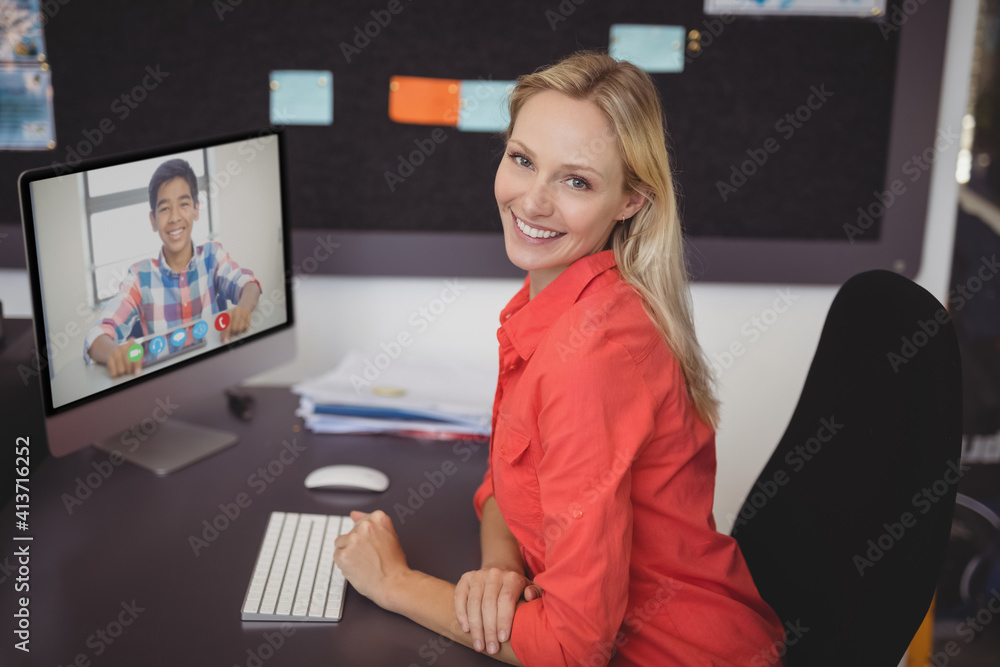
(148,264)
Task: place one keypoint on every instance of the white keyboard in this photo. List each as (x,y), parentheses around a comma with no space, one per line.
(295,578)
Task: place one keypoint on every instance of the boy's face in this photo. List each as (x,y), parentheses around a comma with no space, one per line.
(175,215)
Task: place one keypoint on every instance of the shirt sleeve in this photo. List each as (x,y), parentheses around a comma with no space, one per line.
(596,414)
(484,491)
(230,278)
(119,315)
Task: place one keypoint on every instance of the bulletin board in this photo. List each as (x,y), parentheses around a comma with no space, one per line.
(784,129)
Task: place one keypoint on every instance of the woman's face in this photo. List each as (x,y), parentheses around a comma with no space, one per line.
(560,185)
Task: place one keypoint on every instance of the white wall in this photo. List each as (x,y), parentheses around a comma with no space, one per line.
(249,224)
(59,211)
(759,391)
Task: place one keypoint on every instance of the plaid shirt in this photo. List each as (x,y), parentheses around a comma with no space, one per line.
(161,299)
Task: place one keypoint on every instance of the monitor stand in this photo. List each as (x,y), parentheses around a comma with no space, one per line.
(173,445)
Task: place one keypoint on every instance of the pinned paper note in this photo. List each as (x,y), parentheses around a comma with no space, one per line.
(654,48)
(859,8)
(483,106)
(471,106)
(301,97)
(26,115)
(419,100)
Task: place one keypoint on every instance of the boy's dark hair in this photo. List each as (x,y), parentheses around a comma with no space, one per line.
(168,171)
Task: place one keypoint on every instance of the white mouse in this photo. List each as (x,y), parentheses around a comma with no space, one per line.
(351,478)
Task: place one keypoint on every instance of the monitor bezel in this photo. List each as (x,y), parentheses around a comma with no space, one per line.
(34,276)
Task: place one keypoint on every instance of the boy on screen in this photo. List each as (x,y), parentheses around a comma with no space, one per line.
(184,284)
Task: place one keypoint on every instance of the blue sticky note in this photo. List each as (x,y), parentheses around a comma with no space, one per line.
(301,97)
(482,105)
(654,48)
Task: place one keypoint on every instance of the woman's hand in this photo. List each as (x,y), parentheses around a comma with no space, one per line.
(485,601)
(370,556)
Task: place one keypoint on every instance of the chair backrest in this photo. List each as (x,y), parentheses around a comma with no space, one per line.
(846,528)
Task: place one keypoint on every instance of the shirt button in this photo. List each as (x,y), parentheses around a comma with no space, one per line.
(507,316)
(577,513)
(503,450)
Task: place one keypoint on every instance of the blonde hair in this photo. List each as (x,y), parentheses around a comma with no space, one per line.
(649,247)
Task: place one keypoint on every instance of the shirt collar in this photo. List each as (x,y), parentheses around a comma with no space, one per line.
(165,268)
(526,320)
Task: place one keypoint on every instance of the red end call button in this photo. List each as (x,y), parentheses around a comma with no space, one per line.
(222,322)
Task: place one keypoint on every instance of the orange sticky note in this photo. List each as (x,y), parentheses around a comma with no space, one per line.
(420,100)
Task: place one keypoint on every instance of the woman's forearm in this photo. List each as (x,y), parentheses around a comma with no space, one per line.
(431,603)
(499,546)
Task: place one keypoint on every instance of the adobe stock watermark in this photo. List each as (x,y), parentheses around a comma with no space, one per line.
(58,341)
(911,345)
(131,440)
(968,630)
(7,569)
(915,167)
(267,649)
(122,106)
(50,8)
(773,654)
(897,16)
(590,493)
(420,320)
(894,531)
(432,650)
(713,29)
(959,296)
(220,179)
(259,481)
(418,496)
(294,276)
(408,164)
(635,619)
(105,636)
(962,294)
(766,489)
(786,126)
(752,329)
(562,12)
(321,252)
(366,34)
(223,7)
(580,332)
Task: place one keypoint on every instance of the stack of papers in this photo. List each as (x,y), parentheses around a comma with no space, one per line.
(417,399)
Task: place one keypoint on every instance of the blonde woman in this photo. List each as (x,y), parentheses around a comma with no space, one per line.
(598,542)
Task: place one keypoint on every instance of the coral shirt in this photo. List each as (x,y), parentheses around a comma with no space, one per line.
(605,475)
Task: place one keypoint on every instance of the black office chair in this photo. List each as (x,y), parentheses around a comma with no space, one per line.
(846,528)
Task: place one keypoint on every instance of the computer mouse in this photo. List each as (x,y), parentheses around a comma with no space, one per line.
(347,477)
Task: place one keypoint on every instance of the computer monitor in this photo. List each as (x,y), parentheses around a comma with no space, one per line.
(150,263)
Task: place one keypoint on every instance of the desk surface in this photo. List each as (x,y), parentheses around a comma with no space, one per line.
(123,550)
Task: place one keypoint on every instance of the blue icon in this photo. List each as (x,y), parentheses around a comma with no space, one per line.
(178,337)
(200,329)
(157,345)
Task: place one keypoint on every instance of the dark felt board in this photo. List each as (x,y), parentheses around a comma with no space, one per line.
(727,100)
